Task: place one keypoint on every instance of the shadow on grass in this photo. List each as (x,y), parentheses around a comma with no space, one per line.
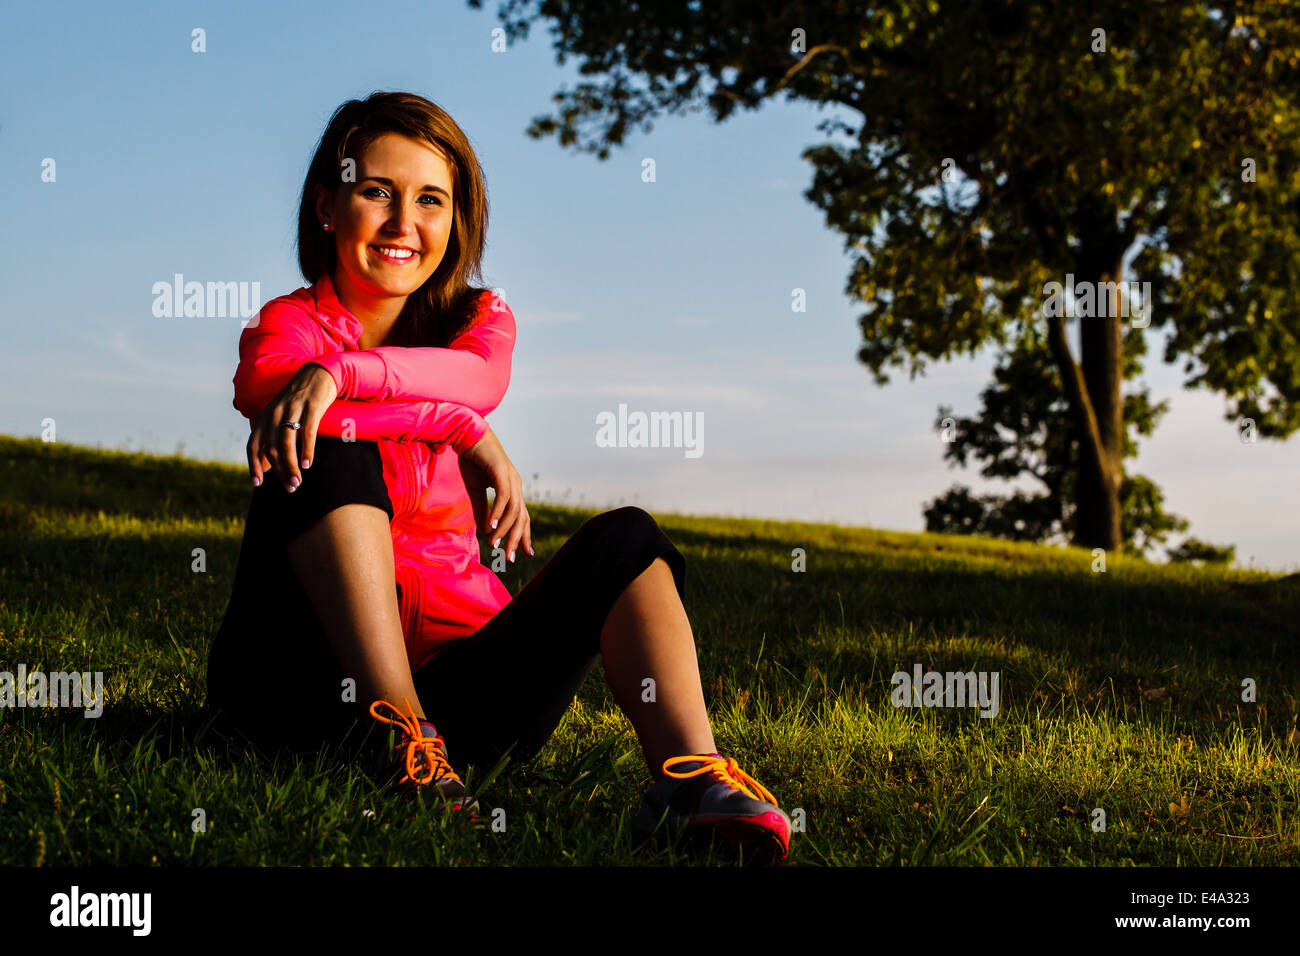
(853,618)
(857,621)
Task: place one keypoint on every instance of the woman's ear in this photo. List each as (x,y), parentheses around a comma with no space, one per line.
(324,203)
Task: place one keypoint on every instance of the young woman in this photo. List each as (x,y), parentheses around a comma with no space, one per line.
(359,587)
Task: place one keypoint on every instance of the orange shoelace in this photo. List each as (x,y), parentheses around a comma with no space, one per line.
(725,769)
(426,759)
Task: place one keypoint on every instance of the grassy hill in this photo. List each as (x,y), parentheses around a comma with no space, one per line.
(1120,690)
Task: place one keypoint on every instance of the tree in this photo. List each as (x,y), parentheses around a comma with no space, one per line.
(1004,145)
(1025,430)
(1194,549)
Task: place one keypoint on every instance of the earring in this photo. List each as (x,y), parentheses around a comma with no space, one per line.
(325,225)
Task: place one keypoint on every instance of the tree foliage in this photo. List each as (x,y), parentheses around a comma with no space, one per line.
(998,146)
(1024,431)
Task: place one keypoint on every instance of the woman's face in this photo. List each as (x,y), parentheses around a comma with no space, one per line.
(392,225)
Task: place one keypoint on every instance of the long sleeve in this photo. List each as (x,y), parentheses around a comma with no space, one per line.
(437,423)
(473,371)
(273,350)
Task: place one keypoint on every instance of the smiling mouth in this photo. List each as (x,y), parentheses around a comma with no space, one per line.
(398,254)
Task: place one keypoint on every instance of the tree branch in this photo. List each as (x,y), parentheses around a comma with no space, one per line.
(808,58)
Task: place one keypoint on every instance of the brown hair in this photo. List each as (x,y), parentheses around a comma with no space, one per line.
(444,306)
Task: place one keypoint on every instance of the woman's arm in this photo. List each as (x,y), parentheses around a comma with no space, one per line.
(437,423)
(272,348)
(272,354)
(474,370)
(273,383)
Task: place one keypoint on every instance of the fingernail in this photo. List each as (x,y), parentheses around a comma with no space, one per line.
(306,462)
(511,556)
(256,482)
(293,483)
(494,543)
(530,552)
(494,522)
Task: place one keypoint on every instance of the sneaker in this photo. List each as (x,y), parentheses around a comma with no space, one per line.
(710,795)
(426,757)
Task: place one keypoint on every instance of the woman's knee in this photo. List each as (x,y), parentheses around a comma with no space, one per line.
(336,462)
(339,454)
(634,534)
(341,473)
(636,528)
(628,520)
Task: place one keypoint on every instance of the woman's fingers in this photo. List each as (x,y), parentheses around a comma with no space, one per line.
(255,467)
(302,401)
(260,462)
(280,444)
(498,511)
(500,517)
(298,444)
(514,525)
(528,532)
(519,530)
(288,444)
(512,536)
(505,511)
(309,422)
(523,524)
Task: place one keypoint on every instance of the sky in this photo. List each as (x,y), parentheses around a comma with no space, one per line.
(672,295)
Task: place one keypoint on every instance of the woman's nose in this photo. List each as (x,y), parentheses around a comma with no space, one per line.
(402,218)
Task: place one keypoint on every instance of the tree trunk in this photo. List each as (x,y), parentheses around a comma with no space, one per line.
(1095,397)
(1098,523)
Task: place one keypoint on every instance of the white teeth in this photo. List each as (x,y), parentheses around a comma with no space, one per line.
(395,253)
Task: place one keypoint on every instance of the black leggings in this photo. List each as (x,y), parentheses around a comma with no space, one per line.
(273,675)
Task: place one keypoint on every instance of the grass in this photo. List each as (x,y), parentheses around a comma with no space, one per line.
(1119,690)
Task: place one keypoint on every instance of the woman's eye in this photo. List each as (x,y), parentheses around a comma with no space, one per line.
(437,200)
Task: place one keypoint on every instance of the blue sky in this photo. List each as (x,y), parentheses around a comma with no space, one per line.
(666,296)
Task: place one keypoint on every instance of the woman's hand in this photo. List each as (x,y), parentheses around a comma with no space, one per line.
(272,446)
(486,465)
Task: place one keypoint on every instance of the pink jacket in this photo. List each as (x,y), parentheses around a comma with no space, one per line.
(423,407)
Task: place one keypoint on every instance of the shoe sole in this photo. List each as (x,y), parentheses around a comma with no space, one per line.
(464,804)
(756,834)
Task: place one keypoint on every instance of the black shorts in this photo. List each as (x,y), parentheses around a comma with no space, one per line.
(273,676)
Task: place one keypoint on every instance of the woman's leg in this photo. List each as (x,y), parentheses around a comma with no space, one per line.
(345,564)
(647,637)
(601,593)
(273,669)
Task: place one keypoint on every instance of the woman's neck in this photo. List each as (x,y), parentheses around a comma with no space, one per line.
(377,314)
(373,336)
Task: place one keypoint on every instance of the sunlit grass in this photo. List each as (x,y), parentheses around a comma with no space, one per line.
(1121,691)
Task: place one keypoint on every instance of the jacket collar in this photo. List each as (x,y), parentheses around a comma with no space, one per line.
(333,315)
